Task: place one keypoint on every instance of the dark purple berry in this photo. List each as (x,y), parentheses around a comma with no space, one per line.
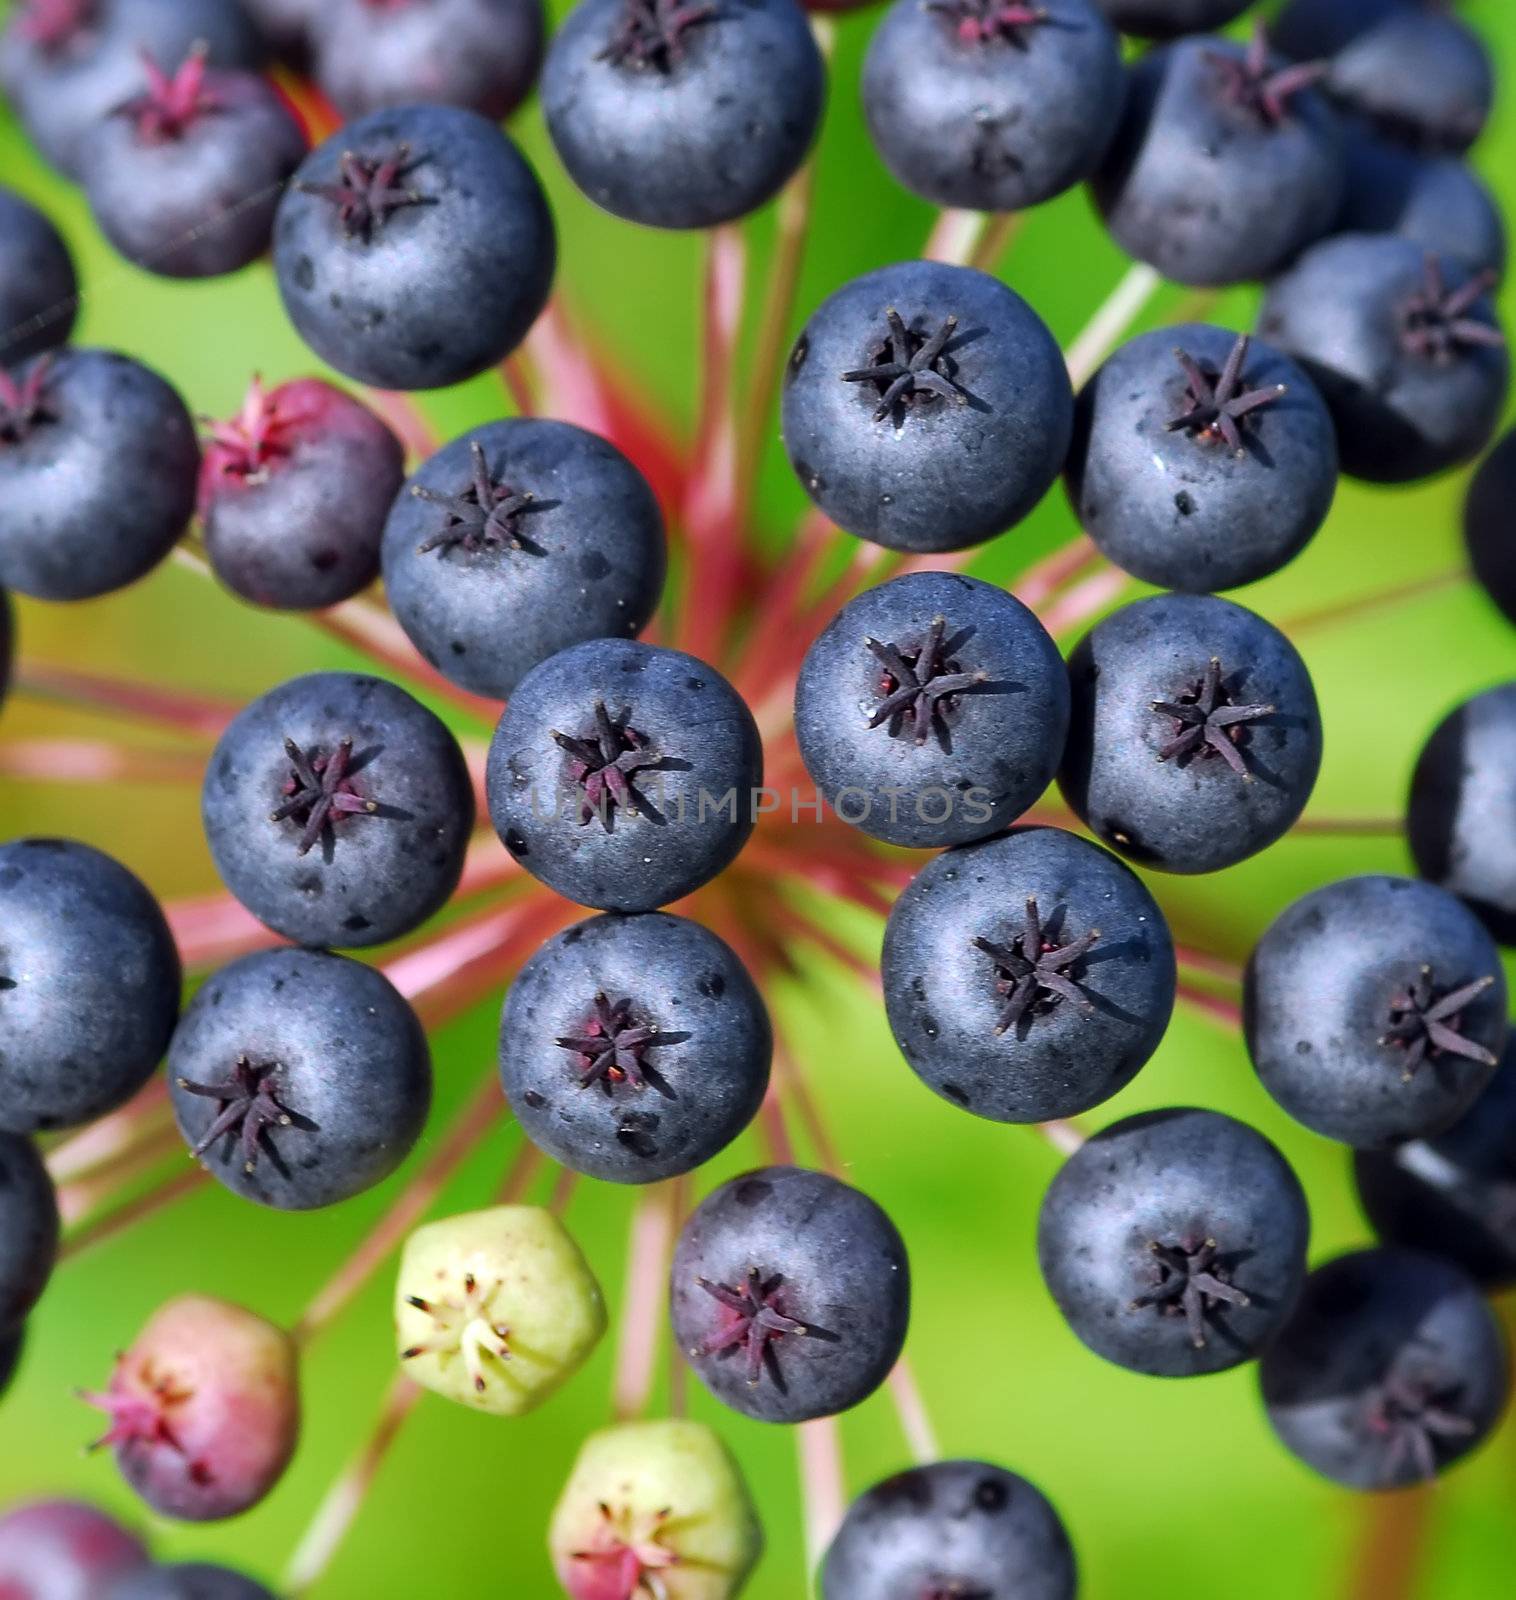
(414,248)
(288,25)
(683,113)
(1489,525)
(926,407)
(338,810)
(516,541)
(28,1228)
(194,1580)
(38,289)
(790,1294)
(98,464)
(65,1551)
(1027,977)
(11,1343)
(1165,19)
(634,1048)
(89,984)
(1392,1368)
(1374,1010)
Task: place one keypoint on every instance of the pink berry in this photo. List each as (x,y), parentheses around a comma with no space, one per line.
(62,1550)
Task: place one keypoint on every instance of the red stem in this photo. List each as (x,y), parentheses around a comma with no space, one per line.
(197,716)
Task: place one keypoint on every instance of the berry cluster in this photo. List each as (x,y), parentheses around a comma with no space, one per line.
(1028,969)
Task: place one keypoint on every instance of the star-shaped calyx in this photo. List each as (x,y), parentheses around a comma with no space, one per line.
(484,516)
(51,24)
(23,405)
(1256,85)
(604,763)
(172,103)
(625,1557)
(612,1048)
(1190,1281)
(320,791)
(981,21)
(1034,972)
(1425,1021)
(650,33)
(1216,404)
(141,1406)
(910,368)
(465,1326)
(370,189)
(249,1107)
(1413,1414)
(1435,323)
(754,1320)
(922,682)
(245,446)
(1207,722)
(955,1589)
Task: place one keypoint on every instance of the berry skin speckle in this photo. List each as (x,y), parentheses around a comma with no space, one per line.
(496,1309)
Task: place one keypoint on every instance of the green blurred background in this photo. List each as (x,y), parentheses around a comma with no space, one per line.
(1172,1488)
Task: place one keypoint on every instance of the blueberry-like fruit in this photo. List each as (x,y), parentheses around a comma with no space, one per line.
(294,493)
(683,115)
(955,1528)
(1489,525)
(622,774)
(516,541)
(926,407)
(190,1580)
(1195,738)
(38,289)
(1392,1368)
(98,465)
(184,177)
(634,1048)
(64,1550)
(933,710)
(1462,799)
(790,1294)
(1174,1242)
(414,248)
(990,106)
(299,1078)
(1453,1195)
(1227,162)
(204,1409)
(480,54)
(1404,346)
(89,984)
(1166,19)
(11,1342)
(288,25)
(496,1309)
(66,64)
(338,810)
(1375,1010)
(1027,977)
(1201,460)
(28,1228)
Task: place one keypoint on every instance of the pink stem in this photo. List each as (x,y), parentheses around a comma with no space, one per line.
(955,237)
(518,386)
(112,1136)
(96,761)
(84,1196)
(1225,1012)
(998,237)
(1213,966)
(564,1185)
(1351,827)
(1082,602)
(1040,582)
(914,1421)
(647,1255)
(525,1165)
(1393,1545)
(215,928)
(194,715)
(821,1478)
(407,419)
(98,1230)
(1363,605)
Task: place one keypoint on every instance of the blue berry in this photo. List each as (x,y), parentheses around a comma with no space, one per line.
(991,106)
(1200,460)
(11,1343)
(38,289)
(89,984)
(955,1530)
(192,1580)
(1027,977)
(1489,525)
(926,407)
(414,248)
(1374,1009)
(338,810)
(184,177)
(1462,798)
(28,1228)
(516,541)
(294,493)
(300,1078)
(65,67)
(1174,1242)
(634,1048)
(1453,1195)
(480,54)
(621,774)
(933,710)
(287,25)
(1164,19)
(98,465)
(679,114)
(1226,164)
(790,1294)
(1392,1368)
(1195,738)
(1404,346)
